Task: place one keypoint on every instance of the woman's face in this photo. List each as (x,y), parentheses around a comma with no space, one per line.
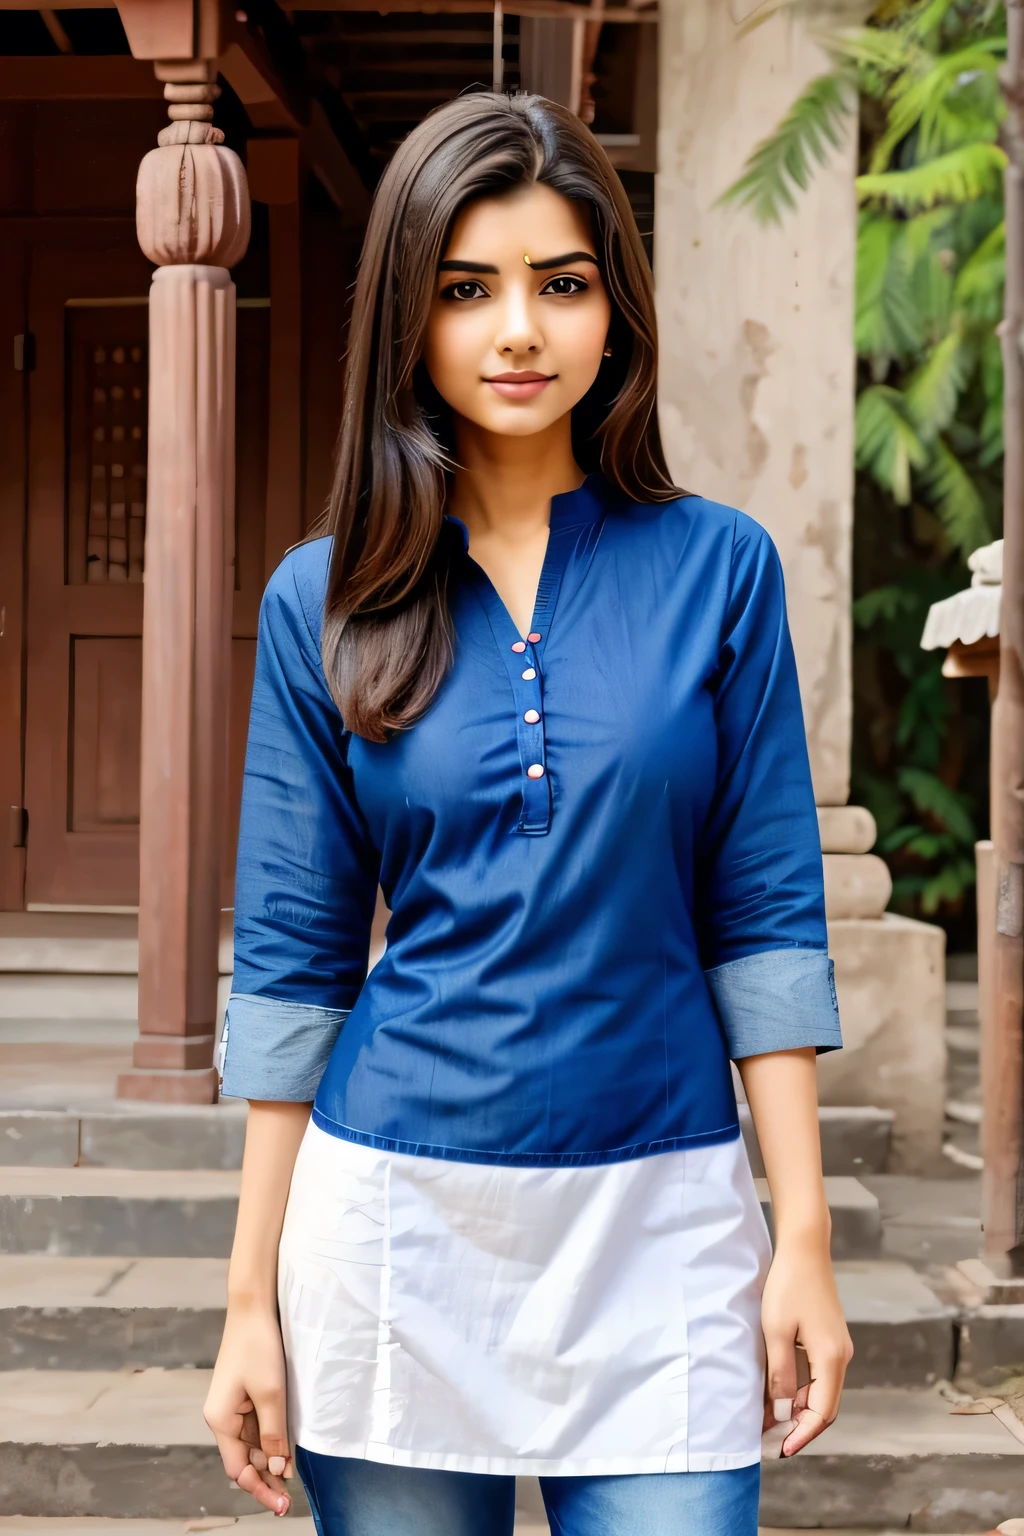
(513,345)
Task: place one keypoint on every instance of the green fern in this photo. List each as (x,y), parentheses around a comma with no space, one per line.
(939,97)
(882,603)
(978,290)
(887,320)
(933,392)
(957,177)
(782,165)
(934,798)
(886,441)
(956,499)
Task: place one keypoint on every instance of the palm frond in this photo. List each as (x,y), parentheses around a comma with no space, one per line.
(935,97)
(978,290)
(933,798)
(956,499)
(957,177)
(887,320)
(991,374)
(783,163)
(886,441)
(933,393)
(882,603)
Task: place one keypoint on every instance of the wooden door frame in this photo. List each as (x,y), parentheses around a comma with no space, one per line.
(13,569)
(88,264)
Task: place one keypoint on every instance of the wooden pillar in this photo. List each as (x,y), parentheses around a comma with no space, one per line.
(274,179)
(1003,1178)
(193,222)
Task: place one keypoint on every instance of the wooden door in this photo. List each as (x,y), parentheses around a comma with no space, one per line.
(86,525)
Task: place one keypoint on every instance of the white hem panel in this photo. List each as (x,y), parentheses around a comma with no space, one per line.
(520,1321)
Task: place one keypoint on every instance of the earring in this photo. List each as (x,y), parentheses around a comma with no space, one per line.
(607,351)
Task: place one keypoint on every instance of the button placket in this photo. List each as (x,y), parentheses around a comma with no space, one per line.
(528,697)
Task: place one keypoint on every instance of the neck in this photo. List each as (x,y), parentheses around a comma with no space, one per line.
(505,484)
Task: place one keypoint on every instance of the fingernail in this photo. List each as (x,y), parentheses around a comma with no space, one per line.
(276,1465)
(782,1408)
(282,1506)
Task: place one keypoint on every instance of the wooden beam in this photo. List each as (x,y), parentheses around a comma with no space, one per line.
(562,9)
(160,29)
(51,21)
(77,77)
(331,140)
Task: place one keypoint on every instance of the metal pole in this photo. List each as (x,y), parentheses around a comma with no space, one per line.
(1003,1180)
(499,38)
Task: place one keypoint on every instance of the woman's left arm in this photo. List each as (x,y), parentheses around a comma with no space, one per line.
(800,1304)
(764,947)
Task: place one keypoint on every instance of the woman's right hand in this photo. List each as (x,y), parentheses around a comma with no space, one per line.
(249,1385)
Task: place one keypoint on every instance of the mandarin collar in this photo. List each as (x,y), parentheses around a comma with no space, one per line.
(570,509)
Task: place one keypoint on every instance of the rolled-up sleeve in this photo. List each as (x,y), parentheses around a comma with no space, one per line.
(761,900)
(307,871)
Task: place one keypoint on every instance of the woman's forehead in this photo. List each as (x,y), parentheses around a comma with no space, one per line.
(533,219)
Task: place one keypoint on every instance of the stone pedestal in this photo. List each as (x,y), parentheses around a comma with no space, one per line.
(756,402)
(891,986)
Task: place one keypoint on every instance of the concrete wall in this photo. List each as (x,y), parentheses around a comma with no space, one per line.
(757,370)
(757,402)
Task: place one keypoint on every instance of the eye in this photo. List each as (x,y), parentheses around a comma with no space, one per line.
(565,286)
(468,289)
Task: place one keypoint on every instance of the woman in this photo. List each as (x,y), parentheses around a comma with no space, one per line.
(549,702)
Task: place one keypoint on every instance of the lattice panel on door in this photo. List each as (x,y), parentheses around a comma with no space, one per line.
(107,462)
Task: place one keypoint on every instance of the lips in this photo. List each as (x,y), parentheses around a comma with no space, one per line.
(522,385)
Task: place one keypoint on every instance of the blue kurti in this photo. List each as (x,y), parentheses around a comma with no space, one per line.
(599,847)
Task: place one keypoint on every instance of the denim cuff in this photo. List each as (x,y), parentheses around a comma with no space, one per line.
(780,1000)
(275,1050)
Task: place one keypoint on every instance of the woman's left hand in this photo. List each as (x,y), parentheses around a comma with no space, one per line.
(800,1306)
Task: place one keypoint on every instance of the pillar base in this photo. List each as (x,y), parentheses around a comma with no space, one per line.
(891,986)
(173,1053)
(198,1086)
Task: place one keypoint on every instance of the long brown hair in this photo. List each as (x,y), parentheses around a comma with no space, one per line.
(387,634)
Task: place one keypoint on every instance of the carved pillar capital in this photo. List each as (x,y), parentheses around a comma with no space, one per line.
(191,196)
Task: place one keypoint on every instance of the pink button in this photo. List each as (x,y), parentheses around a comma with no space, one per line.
(531,717)
(529,674)
(519,645)
(533,638)
(535,771)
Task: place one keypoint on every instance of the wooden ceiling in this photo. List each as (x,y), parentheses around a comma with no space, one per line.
(370,75)
(391,70)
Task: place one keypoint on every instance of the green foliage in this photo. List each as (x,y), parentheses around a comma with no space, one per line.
(783,164)
(931,252)
(958,177)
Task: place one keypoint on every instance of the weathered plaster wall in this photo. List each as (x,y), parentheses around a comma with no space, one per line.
(757,371)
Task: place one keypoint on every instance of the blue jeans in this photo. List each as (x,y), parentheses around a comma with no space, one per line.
(350,1497)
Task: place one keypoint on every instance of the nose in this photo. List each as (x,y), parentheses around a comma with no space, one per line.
(518,333)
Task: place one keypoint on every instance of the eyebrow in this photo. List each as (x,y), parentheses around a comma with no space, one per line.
(536,266)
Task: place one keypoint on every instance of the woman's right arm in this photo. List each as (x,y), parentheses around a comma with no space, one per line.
(249,1376)
(304,897)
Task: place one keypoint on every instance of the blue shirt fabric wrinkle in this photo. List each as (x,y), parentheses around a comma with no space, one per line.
(599,847)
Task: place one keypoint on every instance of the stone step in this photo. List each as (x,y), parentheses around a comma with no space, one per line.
(122,1136)
(246,1525)
(51,944)
(190,1212)
(182,1213)
(898,1459)
(133,1445)
(92,1313)
(854,1139)
(903,1334)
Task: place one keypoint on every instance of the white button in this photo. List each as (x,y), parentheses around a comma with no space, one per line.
(531,717)
(535,771)
(529,674)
